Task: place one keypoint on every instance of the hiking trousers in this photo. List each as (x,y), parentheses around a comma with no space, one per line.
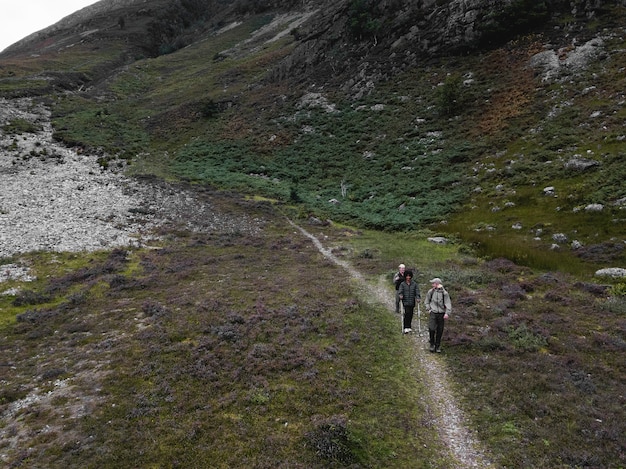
(408,316)
(435,328)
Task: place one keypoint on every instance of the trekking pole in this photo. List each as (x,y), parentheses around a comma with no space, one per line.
(419,320)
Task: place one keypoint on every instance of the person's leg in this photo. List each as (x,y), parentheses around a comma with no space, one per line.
(397,301)
(408,316)
(432,328)
(440,324)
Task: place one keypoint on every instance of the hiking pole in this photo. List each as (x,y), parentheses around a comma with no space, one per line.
(419,320)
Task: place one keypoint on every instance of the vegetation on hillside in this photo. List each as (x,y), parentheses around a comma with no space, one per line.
(481,133)
(218,347)
(248,350)
(517,17)
(206,352)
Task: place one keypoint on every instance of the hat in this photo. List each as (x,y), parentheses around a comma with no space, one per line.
(436,280)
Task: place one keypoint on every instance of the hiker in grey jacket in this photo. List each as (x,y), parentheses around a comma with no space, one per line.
(409,294)
(439,307)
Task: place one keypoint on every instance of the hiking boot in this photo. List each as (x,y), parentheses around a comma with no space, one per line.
(432,348)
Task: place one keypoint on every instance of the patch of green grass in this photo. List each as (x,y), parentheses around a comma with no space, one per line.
(20,126)
(411,248)
(377,184)
(38,293)
(105,127)
(23,87)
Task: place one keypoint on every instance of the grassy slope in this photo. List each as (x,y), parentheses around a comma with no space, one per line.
(217,347)
(527,134)
(217,350)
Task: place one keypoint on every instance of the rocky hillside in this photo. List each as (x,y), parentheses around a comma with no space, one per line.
(385,37)
(519,101)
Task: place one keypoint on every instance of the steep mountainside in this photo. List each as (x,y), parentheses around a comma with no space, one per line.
(352,109)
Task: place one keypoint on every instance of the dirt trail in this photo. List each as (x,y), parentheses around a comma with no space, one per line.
(448,418)
(82,193)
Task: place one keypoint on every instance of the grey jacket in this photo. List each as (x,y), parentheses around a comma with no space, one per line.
(438,301)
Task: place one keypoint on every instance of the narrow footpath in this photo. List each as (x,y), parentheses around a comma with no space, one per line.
(54,202)
(441,403)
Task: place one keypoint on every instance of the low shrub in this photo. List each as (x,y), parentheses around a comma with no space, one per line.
(20,126)
(618,289)
(525,339)
(30,297)
(333,442)
(614,304)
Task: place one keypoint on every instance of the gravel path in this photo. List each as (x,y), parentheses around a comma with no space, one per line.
(441,403)
(55,199)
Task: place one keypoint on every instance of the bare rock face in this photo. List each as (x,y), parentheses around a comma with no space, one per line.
(578,163)
(329,51)
(414,30)
(613,272)
(553,65)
